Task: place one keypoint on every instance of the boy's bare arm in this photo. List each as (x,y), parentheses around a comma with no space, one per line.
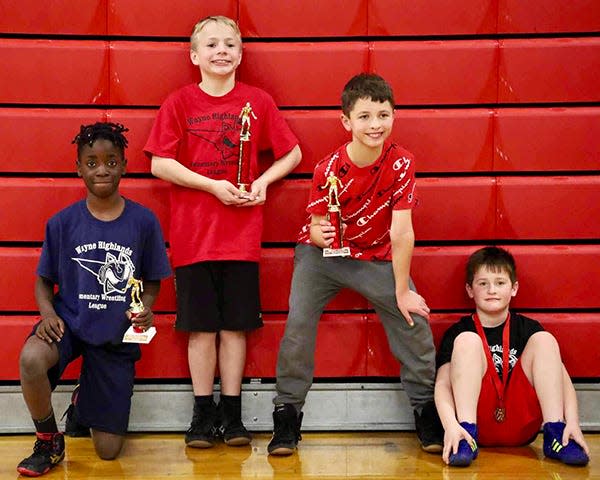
(172,171)
(279,169)
(51,327)
(403,240)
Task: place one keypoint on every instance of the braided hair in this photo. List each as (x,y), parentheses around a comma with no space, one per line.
(113,132)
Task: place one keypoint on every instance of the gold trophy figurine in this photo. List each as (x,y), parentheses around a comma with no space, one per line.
(334,215)
(136,334)
(243,174)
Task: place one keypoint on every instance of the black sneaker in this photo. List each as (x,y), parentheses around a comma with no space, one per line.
(429,428)
(204,428)
(73,427)
(231,428)
(48,451)
(286,430)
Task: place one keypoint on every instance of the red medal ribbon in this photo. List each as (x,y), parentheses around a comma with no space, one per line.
(499,385)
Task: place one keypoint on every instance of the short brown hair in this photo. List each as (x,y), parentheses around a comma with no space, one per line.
(495,259)
(366,85)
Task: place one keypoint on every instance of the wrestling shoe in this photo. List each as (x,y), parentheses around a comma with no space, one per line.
(203,430)
(73,427)
(231,428)
(286,430)
(429,428)
(570,454)
(466,452)
(48,451)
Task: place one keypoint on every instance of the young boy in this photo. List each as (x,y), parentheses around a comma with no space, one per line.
(216,227)
(91,250)
(375,190)
(500,374)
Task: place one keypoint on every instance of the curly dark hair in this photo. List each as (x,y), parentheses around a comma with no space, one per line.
(113,132)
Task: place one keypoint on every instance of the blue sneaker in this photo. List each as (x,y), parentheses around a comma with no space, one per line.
(466,452)
(571,454)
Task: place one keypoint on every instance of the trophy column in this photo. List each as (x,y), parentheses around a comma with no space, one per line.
(243,174)
(136,334)
(334,215)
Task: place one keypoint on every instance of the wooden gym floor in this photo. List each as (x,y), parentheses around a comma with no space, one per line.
(330,456)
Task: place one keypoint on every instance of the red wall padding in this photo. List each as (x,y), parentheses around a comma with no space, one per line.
(157,18)
(337,18)
(546,274)
(55,17)
(365,350)
(537,16)
(442,140)
(433,17)
(549,70)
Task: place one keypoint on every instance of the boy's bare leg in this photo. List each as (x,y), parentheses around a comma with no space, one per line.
(36,358)
(107,445)
(232,359)
(467,367)
(202,359)
(543,367)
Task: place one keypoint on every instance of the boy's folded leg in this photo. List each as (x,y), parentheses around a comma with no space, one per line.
(466,452)
(429,428)
(570,454)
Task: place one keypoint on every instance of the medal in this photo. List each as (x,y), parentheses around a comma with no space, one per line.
(499,384)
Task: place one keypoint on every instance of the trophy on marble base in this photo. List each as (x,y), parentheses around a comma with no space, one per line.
(243,174)
(334,215)
(136,334)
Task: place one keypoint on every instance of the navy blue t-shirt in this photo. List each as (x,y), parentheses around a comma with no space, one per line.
(92,260)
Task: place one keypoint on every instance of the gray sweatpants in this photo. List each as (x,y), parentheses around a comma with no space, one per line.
(315,281)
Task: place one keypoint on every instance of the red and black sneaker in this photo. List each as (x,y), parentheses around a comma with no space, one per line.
(48,451)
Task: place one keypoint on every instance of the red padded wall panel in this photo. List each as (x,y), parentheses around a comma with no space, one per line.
(447,140)
(455,209)
(59,17)
(319,132)
(303,74)
(285,210)
(139,123)
(549,70)
(557,276)
(541,16)
(53,194)
(549,207)
(434,17)
(17,278)
(578,335)
(144,73)
(55,71)
(337,18)
(434,72)
(39,140)
(157,18)
(546,139)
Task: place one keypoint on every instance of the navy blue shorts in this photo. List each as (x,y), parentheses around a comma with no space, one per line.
(219,295)
(106,381)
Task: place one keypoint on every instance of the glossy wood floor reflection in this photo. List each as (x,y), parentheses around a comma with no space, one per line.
(321,455)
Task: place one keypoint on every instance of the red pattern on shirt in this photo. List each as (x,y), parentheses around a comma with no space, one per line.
(367,196)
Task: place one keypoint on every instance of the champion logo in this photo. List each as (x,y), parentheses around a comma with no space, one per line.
(402,162)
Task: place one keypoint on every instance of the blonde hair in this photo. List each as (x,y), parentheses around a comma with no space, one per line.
(218,19)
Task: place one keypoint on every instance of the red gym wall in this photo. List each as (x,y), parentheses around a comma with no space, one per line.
(498,99)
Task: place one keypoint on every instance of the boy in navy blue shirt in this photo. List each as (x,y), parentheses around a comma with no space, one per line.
(92,249)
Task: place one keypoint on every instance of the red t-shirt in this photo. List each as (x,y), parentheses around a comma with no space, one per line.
(203,133)
(367,197)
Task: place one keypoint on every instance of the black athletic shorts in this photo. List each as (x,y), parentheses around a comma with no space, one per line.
(218,295)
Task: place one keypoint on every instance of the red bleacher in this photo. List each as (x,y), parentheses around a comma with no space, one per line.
(498,100)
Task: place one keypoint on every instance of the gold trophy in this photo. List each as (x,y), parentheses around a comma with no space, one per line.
(243,174)
(136,334)
(334,215)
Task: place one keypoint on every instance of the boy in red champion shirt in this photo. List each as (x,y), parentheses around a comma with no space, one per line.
(375,191)
(216,228)
(501,376)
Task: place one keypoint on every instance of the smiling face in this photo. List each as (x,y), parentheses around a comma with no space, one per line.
(370,123)
(492,291)
(101,166)
(216,49)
